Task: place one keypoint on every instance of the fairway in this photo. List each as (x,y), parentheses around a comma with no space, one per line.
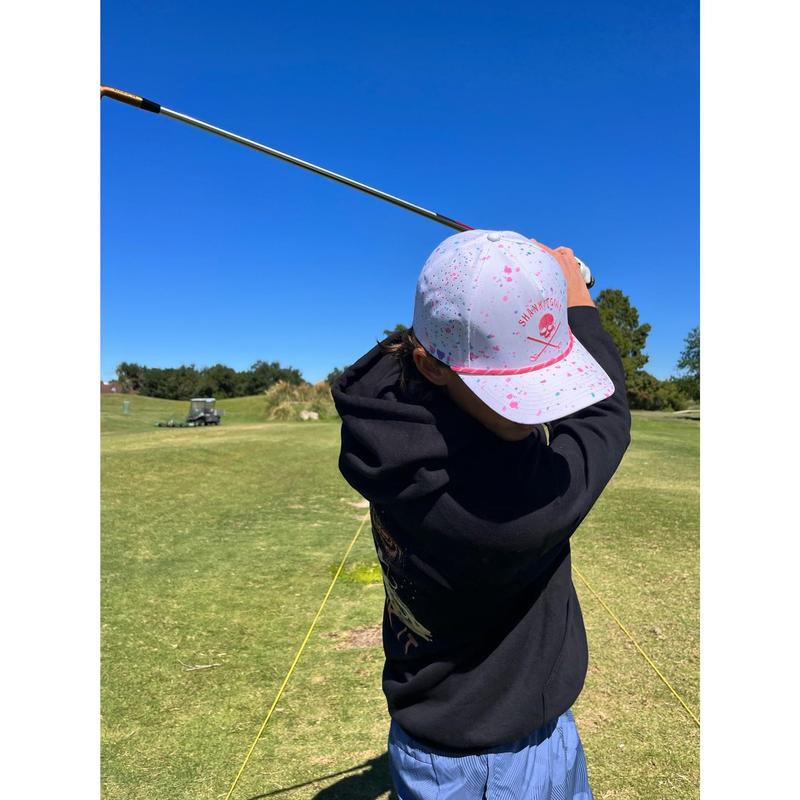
(218,545)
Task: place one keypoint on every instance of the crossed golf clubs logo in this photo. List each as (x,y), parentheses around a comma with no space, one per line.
(548,329)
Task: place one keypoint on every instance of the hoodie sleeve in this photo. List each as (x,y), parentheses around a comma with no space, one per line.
(593,440)
(540,493)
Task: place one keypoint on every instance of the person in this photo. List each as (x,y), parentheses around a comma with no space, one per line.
(481,437)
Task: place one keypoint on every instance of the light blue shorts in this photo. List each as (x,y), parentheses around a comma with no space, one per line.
(549,764)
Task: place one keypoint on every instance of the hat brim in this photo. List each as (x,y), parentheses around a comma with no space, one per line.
(543,395)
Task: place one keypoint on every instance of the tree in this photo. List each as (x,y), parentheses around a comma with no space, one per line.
(645,391)
(621,320)
(689,364)
(130,376)
(217,381)
(262,375)
(173,383)
(399,328)
(335,374)
(184,382)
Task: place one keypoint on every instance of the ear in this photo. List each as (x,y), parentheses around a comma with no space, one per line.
(431,369)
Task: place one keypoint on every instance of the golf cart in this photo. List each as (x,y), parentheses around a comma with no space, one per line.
(202,411)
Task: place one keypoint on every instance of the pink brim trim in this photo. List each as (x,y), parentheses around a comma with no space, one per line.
(518,370)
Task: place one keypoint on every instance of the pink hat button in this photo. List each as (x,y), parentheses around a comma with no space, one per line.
(493,236)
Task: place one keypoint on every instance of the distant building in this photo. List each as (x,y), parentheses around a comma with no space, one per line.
(110,387)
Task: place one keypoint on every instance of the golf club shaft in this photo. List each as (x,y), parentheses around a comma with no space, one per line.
(148,105)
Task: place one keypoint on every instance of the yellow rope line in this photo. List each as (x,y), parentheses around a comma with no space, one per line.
(294,663)
(636,644)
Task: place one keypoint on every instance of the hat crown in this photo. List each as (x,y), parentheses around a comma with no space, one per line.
(491,302)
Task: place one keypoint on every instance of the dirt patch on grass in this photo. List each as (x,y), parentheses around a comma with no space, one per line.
(356,638)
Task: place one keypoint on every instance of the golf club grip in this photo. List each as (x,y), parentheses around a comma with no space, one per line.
(129,99)
(586,273)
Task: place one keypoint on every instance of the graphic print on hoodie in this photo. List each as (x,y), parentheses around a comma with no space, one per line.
(482,629)
(389,554)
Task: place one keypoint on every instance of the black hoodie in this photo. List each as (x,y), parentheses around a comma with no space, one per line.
(482,630)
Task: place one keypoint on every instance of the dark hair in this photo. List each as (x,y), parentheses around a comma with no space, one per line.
(401,345)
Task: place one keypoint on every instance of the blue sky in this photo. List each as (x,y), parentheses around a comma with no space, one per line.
(576,124)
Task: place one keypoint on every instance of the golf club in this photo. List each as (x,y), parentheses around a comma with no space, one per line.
(148,105)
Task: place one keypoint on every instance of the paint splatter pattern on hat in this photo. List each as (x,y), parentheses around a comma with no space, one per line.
(493,306)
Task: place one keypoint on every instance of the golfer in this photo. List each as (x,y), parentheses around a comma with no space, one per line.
(482,437)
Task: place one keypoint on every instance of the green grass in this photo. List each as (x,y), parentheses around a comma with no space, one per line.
(217,547)
(144,412)
(638,549)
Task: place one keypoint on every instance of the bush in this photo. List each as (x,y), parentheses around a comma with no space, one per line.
(285,401)
(648,393)
(688,386)
(673,396)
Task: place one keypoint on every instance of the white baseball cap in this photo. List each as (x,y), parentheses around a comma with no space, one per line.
(492,305)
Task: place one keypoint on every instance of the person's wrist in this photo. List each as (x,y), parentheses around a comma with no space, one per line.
(579,297)
(577,290)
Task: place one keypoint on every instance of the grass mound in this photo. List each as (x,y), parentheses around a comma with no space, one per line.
(286,401)
(129,413)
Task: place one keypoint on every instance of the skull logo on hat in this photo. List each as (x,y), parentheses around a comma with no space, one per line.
(547,325)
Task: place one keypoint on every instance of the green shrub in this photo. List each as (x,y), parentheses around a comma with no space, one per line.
(689,386)
(648,393)
(673,395)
